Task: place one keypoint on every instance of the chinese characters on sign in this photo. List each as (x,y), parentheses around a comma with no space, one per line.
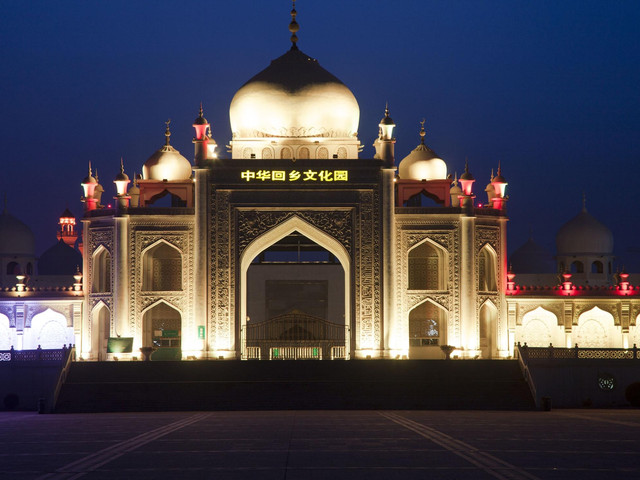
(295,175)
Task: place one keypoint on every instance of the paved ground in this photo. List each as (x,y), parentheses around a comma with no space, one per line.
(563,444)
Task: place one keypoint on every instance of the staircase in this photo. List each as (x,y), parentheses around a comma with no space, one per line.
(299,385)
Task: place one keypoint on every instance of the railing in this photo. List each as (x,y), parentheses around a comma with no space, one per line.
(294,335)
(339,352)
(525,372)
(551,352)
(60,355)
(71,355)
(295,353)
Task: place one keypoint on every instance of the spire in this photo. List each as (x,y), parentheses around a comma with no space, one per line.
(121,165)
(294,27)
(167,132)
(5,203)
(422,131)
(584,202)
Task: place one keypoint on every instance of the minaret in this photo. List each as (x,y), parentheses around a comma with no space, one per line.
(205,146)
(385,142)
(121,181)
(89,186)
(67,228)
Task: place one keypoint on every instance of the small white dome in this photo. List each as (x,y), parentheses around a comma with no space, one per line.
(422,164)
(167,164)
(583,234)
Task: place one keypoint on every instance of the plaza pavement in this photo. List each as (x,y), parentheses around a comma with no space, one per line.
(371,445)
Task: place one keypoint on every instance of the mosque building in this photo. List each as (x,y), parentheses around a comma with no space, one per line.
(297,248)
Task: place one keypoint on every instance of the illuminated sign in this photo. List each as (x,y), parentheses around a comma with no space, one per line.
(323,176)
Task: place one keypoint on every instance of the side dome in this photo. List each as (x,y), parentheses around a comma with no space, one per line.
(60,259)
(167,163)
(294,97)
(584,234)
(16,238)
(422,163)
(532,258)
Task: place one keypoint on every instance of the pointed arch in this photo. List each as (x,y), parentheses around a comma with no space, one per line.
(427,264)
(162,329)
(101,270)
(540,328)
(161,267)
(277,233)
(5,333)
(49,329)
(427,329)
(487,269)
(100,330)
(488,329)
(596,329)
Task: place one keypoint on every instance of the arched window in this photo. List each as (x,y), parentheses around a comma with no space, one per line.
(162,268)
(303,152)
(342,152)
(13,268)
(577,267)
(101,274)
(427,324)
(597,267)
(29,268)
(247,152)
(267,153)
(286,152)
(487,271)
(323,153)
(425,268)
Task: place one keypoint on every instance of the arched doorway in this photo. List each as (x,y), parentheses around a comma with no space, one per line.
(295,272)
(427,331)
(49,330)
(162,330)
(488,329)
(100,331)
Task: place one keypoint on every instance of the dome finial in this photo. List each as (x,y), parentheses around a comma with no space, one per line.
(201,114)
(386,109)
(121,165)
(167,132)
(5,203)
(90,174)
(422,131)
(584,202)
(294,27)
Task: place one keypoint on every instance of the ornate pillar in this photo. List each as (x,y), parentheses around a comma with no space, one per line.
(468,319)
(393,343)
(201,310)
(121,276)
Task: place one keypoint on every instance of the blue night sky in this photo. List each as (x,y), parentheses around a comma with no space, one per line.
(549,89)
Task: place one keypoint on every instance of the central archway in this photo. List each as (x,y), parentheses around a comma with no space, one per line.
(294,225)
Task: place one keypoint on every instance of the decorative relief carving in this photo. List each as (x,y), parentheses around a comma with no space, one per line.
(557,308)
(449,299)
(253,223)
(178,234)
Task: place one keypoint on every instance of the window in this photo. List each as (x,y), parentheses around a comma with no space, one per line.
(101,275)
(487,277)
(425,325)
(577,267)
(162,268)
(597,267)
(424,268)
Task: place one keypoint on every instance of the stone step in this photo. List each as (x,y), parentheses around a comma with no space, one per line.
(283,385)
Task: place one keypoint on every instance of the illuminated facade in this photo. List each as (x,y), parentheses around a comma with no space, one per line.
(297,248)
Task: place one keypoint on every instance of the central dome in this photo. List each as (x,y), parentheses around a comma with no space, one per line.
(294,97)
